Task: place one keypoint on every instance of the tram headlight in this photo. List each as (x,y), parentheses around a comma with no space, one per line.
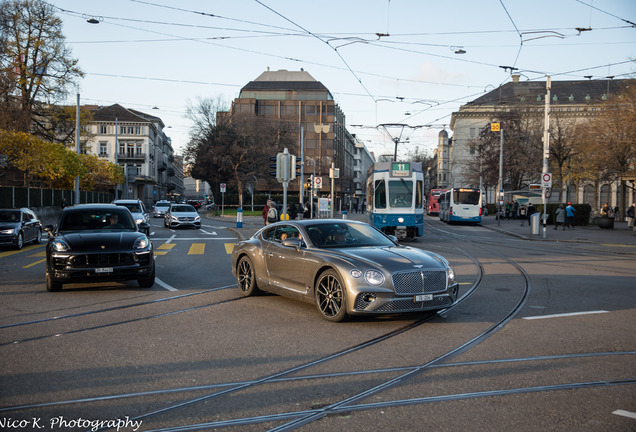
(401,220)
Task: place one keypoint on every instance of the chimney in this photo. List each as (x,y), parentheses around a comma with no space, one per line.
(515,78)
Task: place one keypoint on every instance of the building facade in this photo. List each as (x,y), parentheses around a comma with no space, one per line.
(573,102)
(297,97)
(136,141)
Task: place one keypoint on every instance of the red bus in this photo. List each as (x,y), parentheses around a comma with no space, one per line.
(433,201)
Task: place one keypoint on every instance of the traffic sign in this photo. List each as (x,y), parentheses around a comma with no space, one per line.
(546,180)
(495,127)
(317,182)
(222,187)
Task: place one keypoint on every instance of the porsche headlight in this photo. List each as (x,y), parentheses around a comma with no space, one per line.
(7,231)
(374,277)
(60,245)
(141,242)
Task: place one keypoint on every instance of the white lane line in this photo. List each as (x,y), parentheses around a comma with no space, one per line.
(208,233)
(169,240)
(565,315)
(165,285)
(625,413)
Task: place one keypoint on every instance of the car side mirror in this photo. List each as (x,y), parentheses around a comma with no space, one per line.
(144,226)
(292,242)
(49,229)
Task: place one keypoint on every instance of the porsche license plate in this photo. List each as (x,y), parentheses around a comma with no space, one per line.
(423,297)
(104,270)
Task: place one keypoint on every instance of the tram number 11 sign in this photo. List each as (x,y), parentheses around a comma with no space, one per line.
(400,169)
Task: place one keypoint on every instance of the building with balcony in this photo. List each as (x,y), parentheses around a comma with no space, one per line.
(136,141)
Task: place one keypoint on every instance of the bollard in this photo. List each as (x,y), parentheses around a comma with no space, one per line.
(239,218)
(344,214)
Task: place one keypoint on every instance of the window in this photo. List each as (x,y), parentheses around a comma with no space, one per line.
(419,195)
(400,193)
(472,132)
(103,148)
(380,194)
(310,109)
(137,130)
(103,129)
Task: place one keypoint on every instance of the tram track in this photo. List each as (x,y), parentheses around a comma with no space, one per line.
(297,419)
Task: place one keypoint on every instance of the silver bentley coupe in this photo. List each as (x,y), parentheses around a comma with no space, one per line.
(344,267)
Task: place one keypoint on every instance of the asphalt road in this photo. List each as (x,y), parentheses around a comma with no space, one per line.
(542,340)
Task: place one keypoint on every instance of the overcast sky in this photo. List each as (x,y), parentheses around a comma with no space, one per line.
(383,61)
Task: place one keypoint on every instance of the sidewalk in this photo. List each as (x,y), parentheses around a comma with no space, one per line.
(581,234)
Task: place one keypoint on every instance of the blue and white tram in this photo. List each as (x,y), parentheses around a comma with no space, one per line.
(395,198)
(460,205)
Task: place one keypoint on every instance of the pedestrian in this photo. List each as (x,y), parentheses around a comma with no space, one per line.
(631,214)
(64,203)
(606,210)
(531,210)
(569,213)
(265,210)
(522,213)
(515,210)
(560,217)
(272,213)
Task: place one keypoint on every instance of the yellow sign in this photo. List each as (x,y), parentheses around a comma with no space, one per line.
(495,127)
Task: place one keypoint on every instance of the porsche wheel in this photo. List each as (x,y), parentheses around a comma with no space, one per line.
(51,285)
(330,296)
(246,278)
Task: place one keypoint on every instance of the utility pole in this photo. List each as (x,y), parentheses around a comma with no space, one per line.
(77,148)
(546,150)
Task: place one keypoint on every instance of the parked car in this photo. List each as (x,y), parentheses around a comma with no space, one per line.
(160,208)
(19,226)
(137,209)
(182,215)
(344,267)
(98,243)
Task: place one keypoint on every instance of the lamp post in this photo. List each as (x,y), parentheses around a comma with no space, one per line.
(77,148)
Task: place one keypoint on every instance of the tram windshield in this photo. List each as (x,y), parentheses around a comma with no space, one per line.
(400,193)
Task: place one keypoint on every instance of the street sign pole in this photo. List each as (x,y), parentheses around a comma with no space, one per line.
(546,151)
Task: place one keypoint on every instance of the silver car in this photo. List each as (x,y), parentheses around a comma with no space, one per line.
(182,215)
(160,208)
(137,209)
(344,267)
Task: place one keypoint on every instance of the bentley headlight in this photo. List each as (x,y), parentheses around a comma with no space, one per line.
(141,242)
(356,273)
(60,245)
(374,277)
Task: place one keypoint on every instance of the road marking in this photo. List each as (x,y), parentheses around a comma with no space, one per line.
(617,245)
(32,264)
(164,248)
(625,413)
(168,240)
(26,249)
(229,247)
(39,254)
(197,249)
(164,285)
(564,315)
(208,233)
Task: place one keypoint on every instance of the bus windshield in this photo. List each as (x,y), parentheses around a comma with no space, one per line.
(466,196)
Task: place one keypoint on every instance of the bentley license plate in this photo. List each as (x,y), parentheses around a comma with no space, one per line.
(423,297)
(104,270)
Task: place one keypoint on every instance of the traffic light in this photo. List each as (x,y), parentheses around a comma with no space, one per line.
(273,166)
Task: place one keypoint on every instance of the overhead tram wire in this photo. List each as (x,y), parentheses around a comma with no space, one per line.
(323,41)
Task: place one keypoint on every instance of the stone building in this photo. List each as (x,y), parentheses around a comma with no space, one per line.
(297,97)
(572,102)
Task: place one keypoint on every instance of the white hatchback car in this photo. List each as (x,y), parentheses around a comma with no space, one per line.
(137,209)
(160,208)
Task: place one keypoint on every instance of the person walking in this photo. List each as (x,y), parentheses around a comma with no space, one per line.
(265,210)
(272,213)
(560,217)
(569,213)
(631,214)
(522,213)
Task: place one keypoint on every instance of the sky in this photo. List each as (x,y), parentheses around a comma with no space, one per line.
(386,62)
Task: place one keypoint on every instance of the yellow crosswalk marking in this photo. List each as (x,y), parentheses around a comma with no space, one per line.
(164,248)
(229,247)
(197,249)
